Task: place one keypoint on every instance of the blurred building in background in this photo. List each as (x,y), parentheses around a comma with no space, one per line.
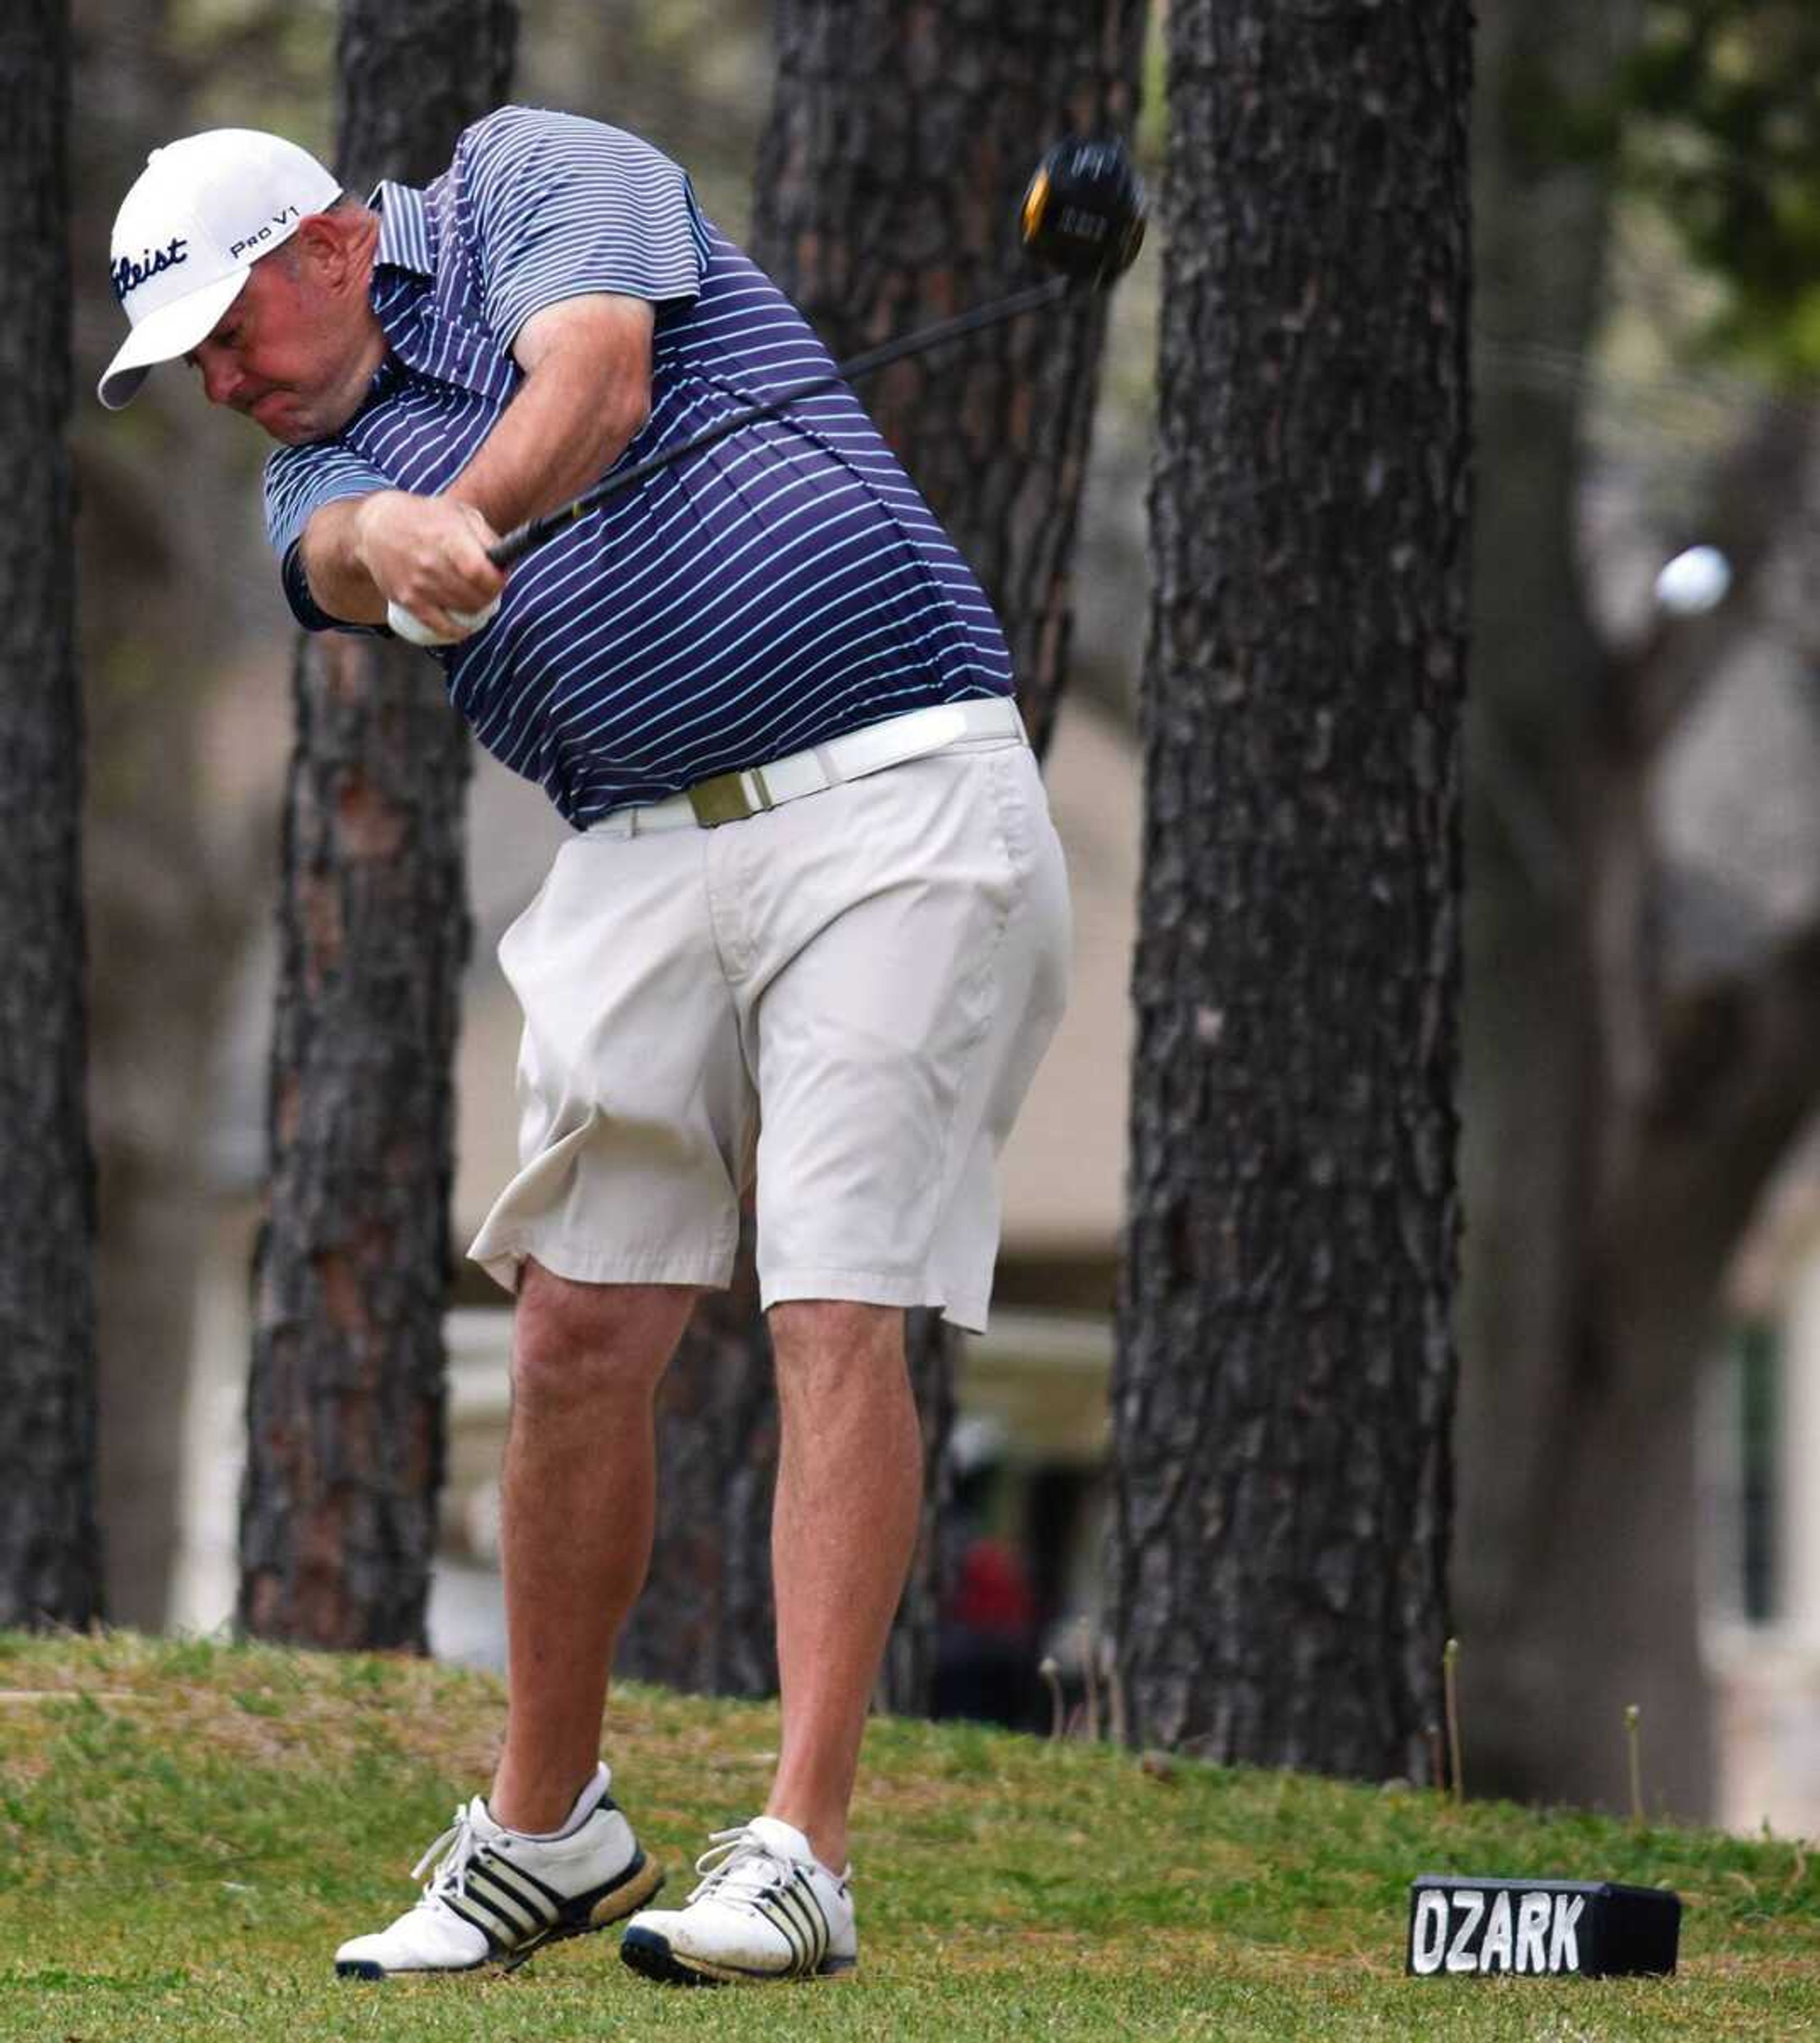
(1742,835)
(1762,1503)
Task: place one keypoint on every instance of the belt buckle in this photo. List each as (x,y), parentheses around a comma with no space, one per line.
(721,800)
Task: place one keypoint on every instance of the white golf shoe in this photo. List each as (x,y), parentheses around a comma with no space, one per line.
(767,1908)
(496,1895)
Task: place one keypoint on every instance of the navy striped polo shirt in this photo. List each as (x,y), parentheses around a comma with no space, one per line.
(782,587)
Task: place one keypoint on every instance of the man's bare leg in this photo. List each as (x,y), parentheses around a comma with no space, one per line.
(576,1506)
(849,1493)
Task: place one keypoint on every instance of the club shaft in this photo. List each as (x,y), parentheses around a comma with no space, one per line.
(516,543)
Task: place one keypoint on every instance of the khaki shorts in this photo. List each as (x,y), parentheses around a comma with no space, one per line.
(877,967)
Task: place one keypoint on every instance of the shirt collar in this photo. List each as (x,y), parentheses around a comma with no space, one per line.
(404,238)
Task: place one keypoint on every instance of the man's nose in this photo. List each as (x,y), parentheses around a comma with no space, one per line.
(220,375)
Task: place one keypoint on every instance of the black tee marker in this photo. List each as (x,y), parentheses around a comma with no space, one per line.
(1546,1929)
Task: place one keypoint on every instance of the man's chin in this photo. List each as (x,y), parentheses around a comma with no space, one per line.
(292,424)
(288,428)
(291,432)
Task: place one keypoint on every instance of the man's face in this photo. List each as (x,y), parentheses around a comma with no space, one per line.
(292,356)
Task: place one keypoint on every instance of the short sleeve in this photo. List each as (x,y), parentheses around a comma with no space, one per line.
(298,480)
(560,207)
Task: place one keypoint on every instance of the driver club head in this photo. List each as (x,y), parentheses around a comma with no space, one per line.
(1084,211)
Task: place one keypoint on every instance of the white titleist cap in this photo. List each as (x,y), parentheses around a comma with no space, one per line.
(202,212)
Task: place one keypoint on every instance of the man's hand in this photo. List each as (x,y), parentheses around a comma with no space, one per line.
(427,556)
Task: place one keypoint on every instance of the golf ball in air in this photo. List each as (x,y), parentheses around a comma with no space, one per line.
(1694,581)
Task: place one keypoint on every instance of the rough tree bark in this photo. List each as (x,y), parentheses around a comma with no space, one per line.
(889,180)
(345,1447)
(50,1548)
(900,142)
(1283,1382)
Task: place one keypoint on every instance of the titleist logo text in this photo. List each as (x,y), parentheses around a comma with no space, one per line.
(129,275)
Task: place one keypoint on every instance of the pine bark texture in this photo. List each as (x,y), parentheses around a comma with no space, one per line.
(345,1428)
(900,143)
(409,77)
(1285,1376)
(50,1548)
(889,178)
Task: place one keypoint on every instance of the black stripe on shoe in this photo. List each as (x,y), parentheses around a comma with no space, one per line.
(483,1889)
(764,1905)
(637,1883)
(554,1898)
(806,1890)
(529,1894)
(784,1910)
(474,1917)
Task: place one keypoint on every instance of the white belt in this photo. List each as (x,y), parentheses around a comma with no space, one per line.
(732,797)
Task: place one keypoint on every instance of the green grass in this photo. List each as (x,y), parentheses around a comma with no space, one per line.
(187,1829)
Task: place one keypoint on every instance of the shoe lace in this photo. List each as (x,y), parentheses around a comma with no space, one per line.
(450,1854)
(741,1868)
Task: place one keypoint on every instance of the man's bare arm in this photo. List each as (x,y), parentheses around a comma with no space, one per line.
(587,391)
(585,394)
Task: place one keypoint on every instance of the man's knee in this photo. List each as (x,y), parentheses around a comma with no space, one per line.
(839,1338)
(574,1344)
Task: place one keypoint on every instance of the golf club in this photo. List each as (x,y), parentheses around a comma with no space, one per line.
(1083,215)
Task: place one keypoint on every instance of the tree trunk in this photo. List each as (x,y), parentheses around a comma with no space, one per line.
(156,605)
(1530,1063)
(889,177)
(1622,1116)
(1284,1385)
(50,1548)
(345,1448)
(409,77)
(900,143)
(1582,1593)
(906,1681)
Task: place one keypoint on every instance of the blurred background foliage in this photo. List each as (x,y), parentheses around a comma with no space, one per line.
(1718,127)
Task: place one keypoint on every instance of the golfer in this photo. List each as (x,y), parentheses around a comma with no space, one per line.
(810,931)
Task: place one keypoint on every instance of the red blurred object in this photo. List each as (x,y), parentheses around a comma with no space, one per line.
(992,1594)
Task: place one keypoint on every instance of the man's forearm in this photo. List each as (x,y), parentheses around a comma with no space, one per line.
(334,566)
(562,430)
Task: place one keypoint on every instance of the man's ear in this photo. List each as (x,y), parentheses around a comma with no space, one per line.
(326,244)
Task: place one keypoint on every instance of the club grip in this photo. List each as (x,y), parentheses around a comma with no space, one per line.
(513,546)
